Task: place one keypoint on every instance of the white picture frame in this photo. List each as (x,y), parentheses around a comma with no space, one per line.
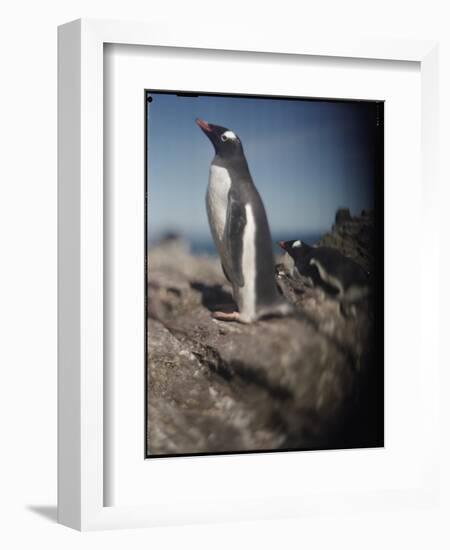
(82,483)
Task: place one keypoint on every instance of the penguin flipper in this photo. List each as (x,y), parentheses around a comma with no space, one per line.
(225,273)
(233,241)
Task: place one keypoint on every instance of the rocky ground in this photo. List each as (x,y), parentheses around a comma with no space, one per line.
(309,381)
(354,237)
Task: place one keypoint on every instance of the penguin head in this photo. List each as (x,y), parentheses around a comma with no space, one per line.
(295,248)
(225,142)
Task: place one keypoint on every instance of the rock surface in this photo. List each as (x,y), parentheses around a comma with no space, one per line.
(312,380)
(354,237)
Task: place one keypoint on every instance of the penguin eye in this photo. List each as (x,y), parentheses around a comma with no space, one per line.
(228,135)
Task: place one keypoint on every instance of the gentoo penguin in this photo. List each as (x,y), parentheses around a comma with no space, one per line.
(329,269)
(240,230)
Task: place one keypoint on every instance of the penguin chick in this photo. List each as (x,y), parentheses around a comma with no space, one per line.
(336,274)
(240,230)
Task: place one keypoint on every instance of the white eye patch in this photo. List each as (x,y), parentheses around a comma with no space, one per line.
(297,244)
(228,135)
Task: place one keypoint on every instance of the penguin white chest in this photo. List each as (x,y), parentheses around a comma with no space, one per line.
(217,200)
(247,294)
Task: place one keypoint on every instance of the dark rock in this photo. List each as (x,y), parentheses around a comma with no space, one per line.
(354,237)
(342,216)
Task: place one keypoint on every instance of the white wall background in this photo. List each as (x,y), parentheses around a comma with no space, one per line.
(28,271)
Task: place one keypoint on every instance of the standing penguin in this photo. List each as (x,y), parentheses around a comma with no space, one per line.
(240,230)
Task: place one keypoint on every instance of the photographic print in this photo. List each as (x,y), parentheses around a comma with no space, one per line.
(264,274)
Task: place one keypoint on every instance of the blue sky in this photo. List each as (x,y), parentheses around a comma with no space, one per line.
(307,159)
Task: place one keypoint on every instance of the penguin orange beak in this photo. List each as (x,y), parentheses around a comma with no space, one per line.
(282,245)
(203,125)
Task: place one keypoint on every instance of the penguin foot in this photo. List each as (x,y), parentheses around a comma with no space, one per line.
(225,316)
